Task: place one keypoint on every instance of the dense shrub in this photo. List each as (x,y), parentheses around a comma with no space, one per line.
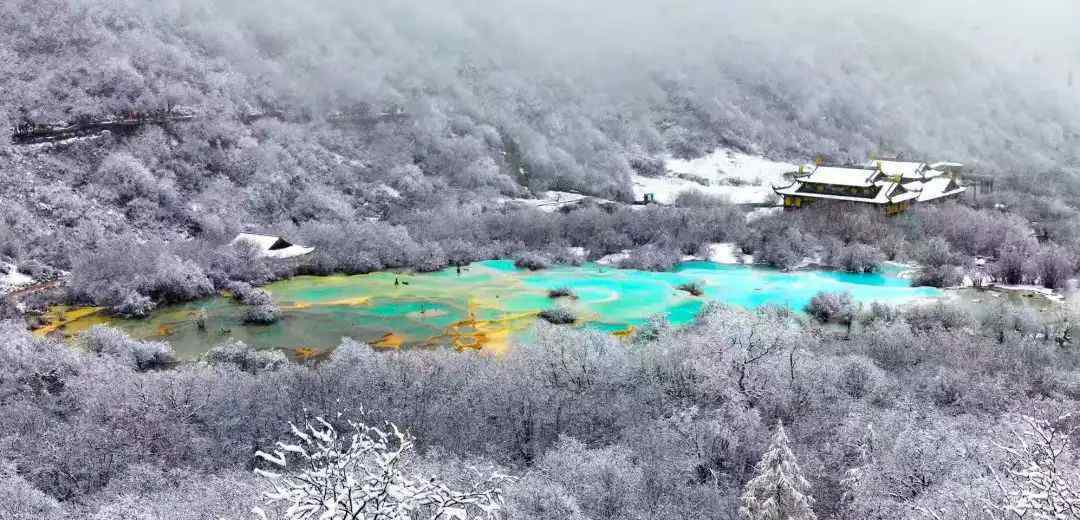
(832,307)
(262,314)
(939,276)
(937,315)
(859,377)
(248,295)
(651,257)
(561,292)
(135,305)
(20,499)
(245,358)
(880,313)
(936,252)
(139,355)
(780,245)
(558,316)
(361,247)
(532,261)
(857,258)
(1053,266)
(692,288)
(1013,260)
(240,262)
(107,276)
(697,199)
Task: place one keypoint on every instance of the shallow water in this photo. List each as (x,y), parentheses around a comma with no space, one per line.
(488,304)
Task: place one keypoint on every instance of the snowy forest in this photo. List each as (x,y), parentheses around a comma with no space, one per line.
(140,137)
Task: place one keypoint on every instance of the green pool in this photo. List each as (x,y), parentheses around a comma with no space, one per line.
(487,304)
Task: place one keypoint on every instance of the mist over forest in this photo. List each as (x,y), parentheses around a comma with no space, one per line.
(419,136)
(581,88)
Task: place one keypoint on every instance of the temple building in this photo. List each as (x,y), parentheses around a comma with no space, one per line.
(892,185)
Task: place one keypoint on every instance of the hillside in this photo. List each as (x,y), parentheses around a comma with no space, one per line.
(486,100)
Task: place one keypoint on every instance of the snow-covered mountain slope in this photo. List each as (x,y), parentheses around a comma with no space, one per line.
(740,177)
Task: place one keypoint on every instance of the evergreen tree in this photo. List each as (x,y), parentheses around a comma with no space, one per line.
(779,491)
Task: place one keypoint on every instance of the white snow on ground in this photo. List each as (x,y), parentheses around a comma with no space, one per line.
(553,200)
(578,251)
(1048,293)
(727,253)
(614,258)
(740,177)
(13,279)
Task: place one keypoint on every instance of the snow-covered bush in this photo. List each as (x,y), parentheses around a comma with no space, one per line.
(936,252)
(245,358)
(857,258)
(532,261)
(539,498)
(107,275)
(937,316)
(1052,266)
(429,257)
(364,473)
(558,316)
(1013,260)
(783,250)
(945,275)
(859,377)
(693,288)
(832,307)
(140,355)
(697,199)
(248,295)
(606,482)
(1042,484)
(241,262)
(263,314)
(20,499)
(651,257)
(656,326)
(561,292)
(135,305)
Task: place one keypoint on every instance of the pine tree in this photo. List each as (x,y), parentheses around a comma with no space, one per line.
(779,491)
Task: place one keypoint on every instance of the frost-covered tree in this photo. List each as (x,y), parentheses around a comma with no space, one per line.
(779,491)
(363,475)
(1045,483)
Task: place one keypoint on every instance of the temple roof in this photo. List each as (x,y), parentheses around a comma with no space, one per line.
(840,176)
(903,169)
(272,246)
(939,187)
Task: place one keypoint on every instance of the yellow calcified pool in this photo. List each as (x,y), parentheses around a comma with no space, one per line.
(483,307)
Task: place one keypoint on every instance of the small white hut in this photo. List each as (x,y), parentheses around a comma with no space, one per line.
(272,246)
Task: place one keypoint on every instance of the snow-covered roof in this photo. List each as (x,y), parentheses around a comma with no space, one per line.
(946,166)
(839,176)
(939,187)
(904,169)
(903,197)
(272,246)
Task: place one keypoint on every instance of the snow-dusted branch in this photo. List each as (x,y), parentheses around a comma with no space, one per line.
(360,475)
(1043,482)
